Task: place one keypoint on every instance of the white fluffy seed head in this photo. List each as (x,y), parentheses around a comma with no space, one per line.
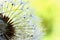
(27,25)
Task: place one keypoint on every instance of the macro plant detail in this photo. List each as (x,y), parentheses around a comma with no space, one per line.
(19,20)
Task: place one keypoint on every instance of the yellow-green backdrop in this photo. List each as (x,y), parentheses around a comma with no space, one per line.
(49,10)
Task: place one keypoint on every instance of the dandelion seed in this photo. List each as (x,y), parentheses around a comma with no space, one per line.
(18,23)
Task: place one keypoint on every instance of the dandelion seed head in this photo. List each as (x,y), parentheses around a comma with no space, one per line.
(22,24)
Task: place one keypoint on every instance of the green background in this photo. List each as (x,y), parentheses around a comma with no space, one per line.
(49,10)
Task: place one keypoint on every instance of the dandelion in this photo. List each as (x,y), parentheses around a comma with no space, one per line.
(18,22)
